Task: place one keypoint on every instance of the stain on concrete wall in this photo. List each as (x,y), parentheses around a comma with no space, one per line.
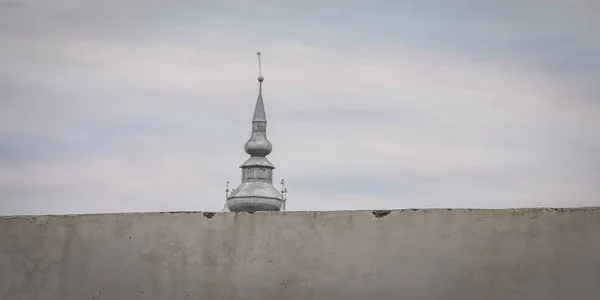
(401,254)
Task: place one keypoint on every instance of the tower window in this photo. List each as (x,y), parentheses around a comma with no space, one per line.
(263,174)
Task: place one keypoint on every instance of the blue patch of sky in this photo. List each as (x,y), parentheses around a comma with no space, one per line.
(20,150)
(86,140)
(555,39)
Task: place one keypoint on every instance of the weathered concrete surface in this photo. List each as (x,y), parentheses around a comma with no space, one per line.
(423,254)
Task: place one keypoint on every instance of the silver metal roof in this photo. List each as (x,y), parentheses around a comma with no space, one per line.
(257,161)
(259,110)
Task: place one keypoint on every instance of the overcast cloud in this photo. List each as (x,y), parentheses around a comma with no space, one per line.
(114,106)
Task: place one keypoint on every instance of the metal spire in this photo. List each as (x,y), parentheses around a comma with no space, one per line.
(259,110)
(258,144)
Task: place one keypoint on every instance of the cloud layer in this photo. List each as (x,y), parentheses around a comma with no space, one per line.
(144,106)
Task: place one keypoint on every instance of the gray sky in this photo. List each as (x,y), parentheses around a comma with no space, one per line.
(110,105)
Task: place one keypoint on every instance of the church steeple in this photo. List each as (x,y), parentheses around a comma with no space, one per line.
(258,144)
(256,192)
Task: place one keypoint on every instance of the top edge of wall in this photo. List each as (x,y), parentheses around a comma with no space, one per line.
(374,211)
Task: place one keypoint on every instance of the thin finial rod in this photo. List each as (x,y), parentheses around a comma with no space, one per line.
(259,66)
(283,192)
(226,189)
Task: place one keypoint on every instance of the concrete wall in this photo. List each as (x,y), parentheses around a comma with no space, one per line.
(422,254)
